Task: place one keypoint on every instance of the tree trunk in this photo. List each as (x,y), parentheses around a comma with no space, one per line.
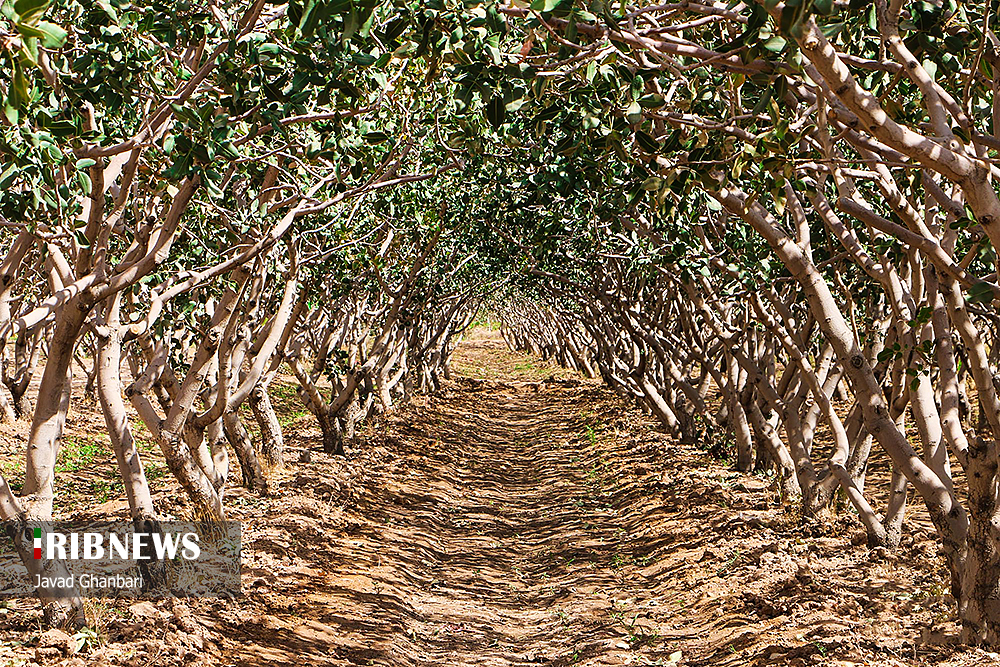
(116,418)
(61,607)
(50,413)
(272,442)
(333,438)
(236,433)
(738,422)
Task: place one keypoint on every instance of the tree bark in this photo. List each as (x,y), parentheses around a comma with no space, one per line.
(272,442)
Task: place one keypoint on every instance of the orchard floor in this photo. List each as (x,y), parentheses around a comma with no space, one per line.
(521,516)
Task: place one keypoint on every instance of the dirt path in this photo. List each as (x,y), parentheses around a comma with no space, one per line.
(523,516)
(496,534)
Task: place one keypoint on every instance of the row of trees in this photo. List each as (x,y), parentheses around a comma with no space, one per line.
(796,206)
(194,198)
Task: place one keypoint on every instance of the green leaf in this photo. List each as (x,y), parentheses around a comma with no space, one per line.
(651,101)
(775,44)
(496,112)
(363,59)
(981,292)
(8,176)
(544,5)
(634,113)
(84,180)
(824,7)
(212,188)
(652,183)
(646,142)
(30,10)
(304,16)
(376,137)
(831,30)
(765,99)
(52,36)
(18,95)
(10,111)
(351,25)
(109,10)
(83,163)
(29,45)
(228,151)
(930,67)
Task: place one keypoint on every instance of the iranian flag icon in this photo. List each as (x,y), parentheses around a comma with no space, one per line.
(38,543)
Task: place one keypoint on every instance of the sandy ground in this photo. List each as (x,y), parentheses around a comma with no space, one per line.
(521,516)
